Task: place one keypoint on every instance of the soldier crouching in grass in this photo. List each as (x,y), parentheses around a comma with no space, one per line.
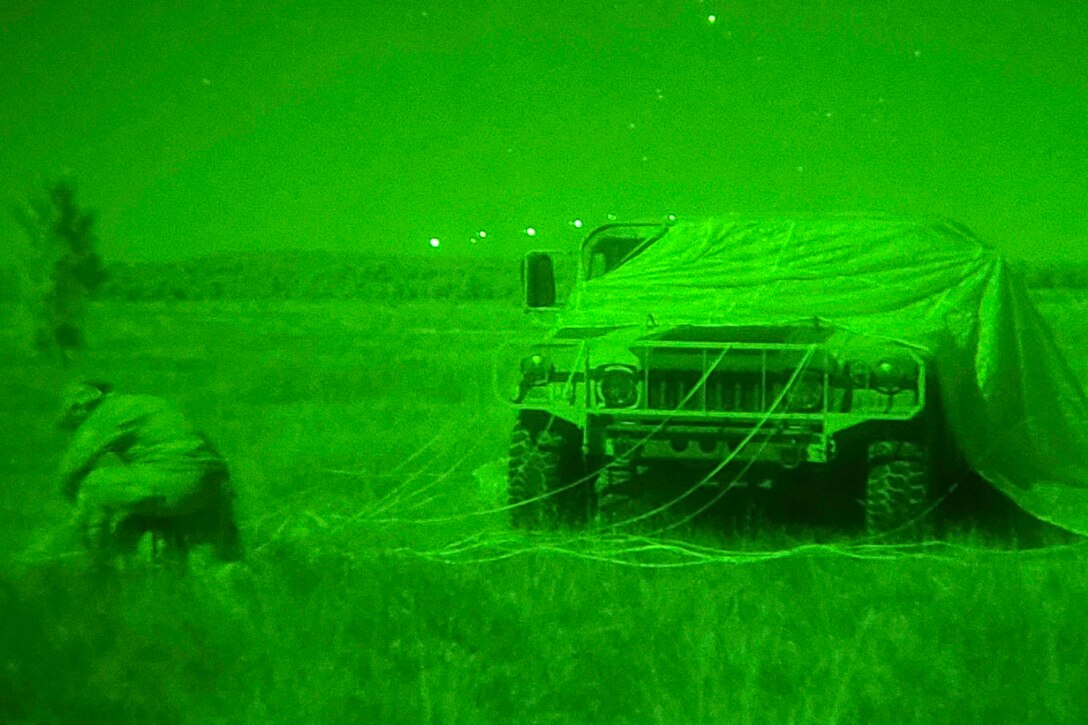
(136,466)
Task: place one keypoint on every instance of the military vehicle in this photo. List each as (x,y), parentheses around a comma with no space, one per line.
(606,400)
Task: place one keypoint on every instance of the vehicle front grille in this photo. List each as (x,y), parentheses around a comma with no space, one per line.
(667,390)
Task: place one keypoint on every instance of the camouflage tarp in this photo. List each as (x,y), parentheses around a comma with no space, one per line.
(1019,414)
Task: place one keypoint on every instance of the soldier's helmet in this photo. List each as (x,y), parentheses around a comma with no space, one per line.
(78,400)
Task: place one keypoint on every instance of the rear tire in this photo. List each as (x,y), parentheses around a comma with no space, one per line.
(899,490)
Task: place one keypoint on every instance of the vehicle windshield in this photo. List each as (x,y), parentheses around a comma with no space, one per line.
(610,250)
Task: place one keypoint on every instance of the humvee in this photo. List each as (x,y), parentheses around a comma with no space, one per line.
(600,407)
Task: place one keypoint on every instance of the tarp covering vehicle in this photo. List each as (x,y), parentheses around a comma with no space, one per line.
(1019,416)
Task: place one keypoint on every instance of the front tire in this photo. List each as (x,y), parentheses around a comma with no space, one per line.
(899,489)
(546,485)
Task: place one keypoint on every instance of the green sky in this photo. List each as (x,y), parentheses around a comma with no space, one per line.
(378,125)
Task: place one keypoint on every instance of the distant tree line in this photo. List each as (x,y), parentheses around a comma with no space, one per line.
(330,275)
(1054,275)
(313,276)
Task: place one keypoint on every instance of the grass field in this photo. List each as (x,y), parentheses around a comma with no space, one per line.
(376,591)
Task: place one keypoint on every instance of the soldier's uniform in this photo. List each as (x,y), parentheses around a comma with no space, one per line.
(136,464)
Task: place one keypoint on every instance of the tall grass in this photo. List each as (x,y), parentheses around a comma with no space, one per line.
(977,637)
(347,611)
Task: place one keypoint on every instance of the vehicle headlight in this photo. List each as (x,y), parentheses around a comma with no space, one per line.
(535,369)
(617,386)
(890,376)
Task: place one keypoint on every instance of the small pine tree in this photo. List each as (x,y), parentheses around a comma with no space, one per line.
(62,268)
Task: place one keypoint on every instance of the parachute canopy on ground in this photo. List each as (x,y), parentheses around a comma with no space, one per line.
(1019,414)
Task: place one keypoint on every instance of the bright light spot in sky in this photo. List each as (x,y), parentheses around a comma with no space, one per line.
(712,18)
(434,242)
(531,232)
(577,223)
(672,217)
(611,217)
(481,234)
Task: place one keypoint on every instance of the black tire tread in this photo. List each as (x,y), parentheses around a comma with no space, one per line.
(898,489)
(540,465)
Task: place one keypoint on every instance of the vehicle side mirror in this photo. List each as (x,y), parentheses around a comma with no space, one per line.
(538,280)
